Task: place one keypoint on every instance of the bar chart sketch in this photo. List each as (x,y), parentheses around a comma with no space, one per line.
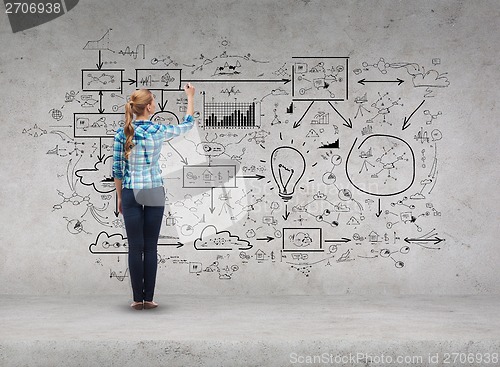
(229,115)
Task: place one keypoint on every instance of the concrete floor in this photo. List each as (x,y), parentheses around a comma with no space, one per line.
(346,330)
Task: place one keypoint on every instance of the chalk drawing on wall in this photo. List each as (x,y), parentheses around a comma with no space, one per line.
(308,163)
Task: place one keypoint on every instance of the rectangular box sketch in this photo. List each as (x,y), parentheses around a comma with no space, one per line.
(158,79)
(320,78)
(209,176)
(302,240)
(102,80)
(97,125)
(195,267)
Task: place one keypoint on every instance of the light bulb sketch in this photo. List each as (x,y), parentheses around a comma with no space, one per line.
(288,166)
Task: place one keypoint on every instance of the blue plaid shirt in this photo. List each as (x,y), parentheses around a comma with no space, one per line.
(142,170)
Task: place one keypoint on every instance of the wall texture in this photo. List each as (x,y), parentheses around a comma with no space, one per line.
(341,146)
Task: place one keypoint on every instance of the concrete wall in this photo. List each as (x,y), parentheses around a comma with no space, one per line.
(399,191)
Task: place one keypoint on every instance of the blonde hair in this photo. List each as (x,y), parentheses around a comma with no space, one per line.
(136,105)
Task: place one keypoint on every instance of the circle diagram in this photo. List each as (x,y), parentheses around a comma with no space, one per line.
(382,165)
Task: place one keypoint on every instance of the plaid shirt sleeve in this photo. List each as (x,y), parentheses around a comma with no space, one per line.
(171,131)
(118,155)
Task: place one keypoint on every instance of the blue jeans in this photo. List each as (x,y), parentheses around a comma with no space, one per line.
(142,224)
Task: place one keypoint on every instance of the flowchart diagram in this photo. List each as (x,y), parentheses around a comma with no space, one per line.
(308,162)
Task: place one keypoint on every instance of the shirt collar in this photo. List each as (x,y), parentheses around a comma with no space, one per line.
(142,122)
